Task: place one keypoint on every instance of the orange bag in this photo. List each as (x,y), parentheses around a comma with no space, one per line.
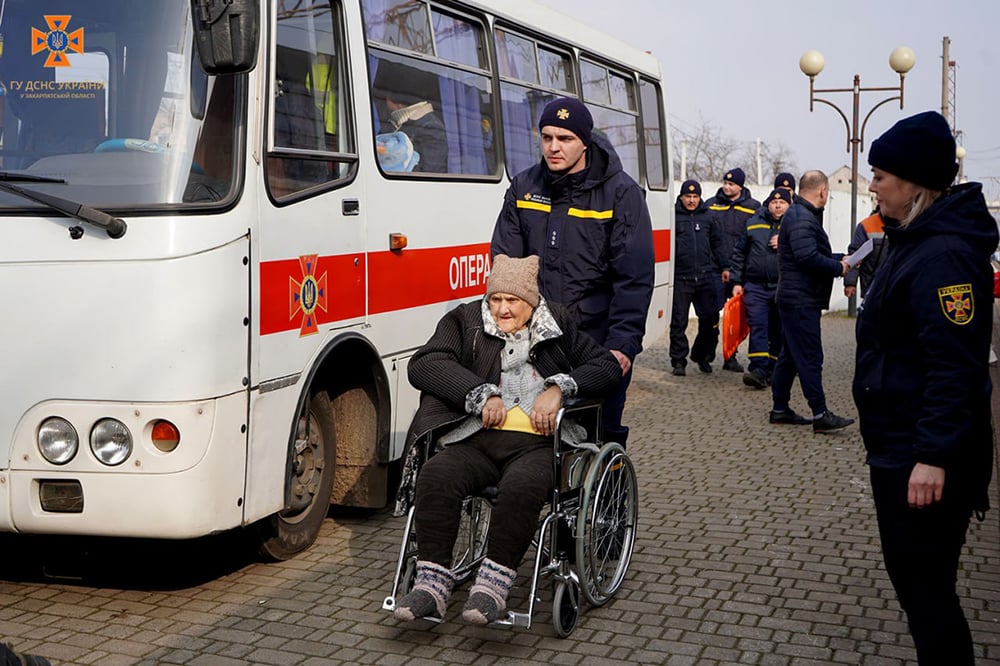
(734,325)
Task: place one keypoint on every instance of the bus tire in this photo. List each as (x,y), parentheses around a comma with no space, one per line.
(312,467)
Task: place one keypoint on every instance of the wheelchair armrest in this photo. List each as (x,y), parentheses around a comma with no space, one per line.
(585,410)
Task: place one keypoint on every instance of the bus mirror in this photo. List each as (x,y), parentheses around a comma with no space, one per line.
(226,32)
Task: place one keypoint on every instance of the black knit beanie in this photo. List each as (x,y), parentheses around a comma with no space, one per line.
(568,113)
(691,187)
(919,149)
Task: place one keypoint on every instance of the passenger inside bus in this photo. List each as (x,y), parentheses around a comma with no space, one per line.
(212,168)
(411,101)
(298,124)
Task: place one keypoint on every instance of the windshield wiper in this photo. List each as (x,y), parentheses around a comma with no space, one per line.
(114,226)
(11,177)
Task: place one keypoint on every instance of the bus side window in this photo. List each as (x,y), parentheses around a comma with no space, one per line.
(433,113)
(310,129)
(653,136)
(532,74)
(212,170)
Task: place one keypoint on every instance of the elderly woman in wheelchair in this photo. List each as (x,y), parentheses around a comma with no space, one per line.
(493,377)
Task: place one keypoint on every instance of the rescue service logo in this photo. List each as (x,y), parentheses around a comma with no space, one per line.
(58,41)
(307,297)
(956,303)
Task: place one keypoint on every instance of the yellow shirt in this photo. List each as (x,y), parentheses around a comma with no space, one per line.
(517,420)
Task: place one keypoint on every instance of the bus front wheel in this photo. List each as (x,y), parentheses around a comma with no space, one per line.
(312,461)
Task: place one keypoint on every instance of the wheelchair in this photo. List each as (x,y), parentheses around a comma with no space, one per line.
(585,536)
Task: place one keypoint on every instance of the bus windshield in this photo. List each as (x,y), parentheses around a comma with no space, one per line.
(108,96)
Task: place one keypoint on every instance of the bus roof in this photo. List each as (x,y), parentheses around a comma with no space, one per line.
(568,30)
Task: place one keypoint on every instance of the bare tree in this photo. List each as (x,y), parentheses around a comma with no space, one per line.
(710,153)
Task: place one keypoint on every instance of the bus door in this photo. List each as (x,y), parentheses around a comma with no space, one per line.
(312,227)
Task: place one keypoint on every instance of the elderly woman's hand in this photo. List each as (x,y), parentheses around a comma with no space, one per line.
(494,412)
(543,412)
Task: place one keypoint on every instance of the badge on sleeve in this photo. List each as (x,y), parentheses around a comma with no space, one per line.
(956,303)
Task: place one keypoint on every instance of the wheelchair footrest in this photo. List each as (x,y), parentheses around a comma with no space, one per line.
(522,620)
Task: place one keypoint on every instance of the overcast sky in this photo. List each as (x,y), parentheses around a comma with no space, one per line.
(736,64)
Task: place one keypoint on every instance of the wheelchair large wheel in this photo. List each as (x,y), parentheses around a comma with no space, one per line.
(605,527)
(565,607)
(470,546)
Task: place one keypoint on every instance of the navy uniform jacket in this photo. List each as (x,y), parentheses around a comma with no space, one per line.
(922,382)
(732,218)
(698,243)
(593,236)
(754,260)
(806,266)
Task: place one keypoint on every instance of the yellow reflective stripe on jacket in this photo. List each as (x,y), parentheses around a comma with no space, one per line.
(758,226)
(534,205)
(739,208)
(591,214)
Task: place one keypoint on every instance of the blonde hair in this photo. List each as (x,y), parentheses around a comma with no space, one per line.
(922,200)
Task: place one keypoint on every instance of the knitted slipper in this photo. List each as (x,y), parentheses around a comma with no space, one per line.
(429,596)
(488,596)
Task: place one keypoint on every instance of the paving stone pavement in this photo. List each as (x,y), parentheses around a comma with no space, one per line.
(757,545)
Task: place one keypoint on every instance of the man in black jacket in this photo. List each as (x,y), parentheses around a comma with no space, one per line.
(588,222)
(696,280)
(754,273)
(806,269)
(731,207)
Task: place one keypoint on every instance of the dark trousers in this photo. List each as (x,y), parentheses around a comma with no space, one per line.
(801,354)
(765,326)
(611,413)
(518,464)
(921,548)
(705,294)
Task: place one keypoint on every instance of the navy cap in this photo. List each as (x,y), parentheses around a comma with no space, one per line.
(568,113)
(691,187)
(784,179)
(779,193)
(919,149)
(736,176)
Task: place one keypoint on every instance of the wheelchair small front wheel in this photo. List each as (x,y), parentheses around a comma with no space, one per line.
(408,577)
(565,607)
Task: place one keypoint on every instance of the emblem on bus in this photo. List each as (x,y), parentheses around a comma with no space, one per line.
(57,41)
(307,297)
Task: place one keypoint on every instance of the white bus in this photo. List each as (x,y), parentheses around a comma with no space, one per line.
(218,257)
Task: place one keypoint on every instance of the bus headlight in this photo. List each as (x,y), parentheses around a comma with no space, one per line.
(111,441)
(57,440)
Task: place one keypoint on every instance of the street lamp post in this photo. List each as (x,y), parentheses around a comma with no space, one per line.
(901,60)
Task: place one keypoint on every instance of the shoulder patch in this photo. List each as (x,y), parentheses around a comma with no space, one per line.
(956,303)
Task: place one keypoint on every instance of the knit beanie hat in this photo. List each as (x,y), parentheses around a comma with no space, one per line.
(779,193)
(735,175)
(784,179)
(568,113)
(919,149)
(514,276)
(691,187)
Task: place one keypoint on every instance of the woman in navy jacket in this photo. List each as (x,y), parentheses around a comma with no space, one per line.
(922,383)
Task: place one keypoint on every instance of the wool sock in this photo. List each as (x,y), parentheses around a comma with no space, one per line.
(430,593)
(488,595)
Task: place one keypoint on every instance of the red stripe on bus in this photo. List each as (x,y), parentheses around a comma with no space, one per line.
(661,245)
(412,278)
(396,281)
(340,295)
